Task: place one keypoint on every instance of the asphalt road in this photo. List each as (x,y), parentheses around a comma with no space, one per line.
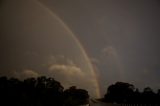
(98,103)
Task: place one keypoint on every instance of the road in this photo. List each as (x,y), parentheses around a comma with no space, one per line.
(98,103)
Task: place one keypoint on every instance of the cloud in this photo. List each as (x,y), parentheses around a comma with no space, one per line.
(71,70)
(25,74)
(66,72)
(58,59)
(112,61)
(94,60)
(109,51)
(72,75)
(69,75)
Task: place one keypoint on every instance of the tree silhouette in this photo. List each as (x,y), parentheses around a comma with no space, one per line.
(42,91)
(121,92)
(148,96)
(75,97)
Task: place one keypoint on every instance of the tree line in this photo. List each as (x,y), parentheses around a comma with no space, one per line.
(125,93)
(41,91)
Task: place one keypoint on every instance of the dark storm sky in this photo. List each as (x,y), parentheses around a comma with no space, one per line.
(120,36)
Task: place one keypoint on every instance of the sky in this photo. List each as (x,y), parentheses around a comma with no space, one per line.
(120,37)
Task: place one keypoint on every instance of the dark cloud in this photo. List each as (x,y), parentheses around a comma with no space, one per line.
(65,70)
(122,36)
(34,42)
(27,73)
(109,51)
(130,28)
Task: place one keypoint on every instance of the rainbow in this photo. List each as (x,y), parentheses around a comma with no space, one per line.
(77,41)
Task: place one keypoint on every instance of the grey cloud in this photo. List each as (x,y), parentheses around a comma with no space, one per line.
(109,51)
(25,74)
(94,60)
(71,75)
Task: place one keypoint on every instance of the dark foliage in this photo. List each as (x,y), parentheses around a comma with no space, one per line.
(39,92)
(74,97)
(125,93)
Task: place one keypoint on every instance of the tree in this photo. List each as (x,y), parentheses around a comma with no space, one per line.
(120,92)
(42,91)
(148,95)
(75,97)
